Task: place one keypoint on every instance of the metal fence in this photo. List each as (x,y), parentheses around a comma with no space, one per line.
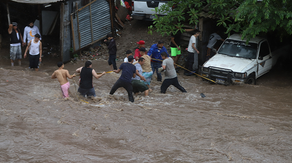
(90,23)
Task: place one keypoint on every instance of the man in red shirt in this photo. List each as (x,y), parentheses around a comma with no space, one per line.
(137,55)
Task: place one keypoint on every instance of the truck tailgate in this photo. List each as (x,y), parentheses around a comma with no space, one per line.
(147,7)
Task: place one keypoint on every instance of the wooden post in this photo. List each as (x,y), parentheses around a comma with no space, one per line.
(91,27)
(201,22)
(72,27)
(112,14)
(8,14)
(62,29)
(41,19)
(79,37)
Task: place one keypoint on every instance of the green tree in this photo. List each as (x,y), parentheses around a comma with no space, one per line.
(247,17)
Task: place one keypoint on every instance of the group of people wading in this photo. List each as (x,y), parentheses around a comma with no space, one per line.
(137,70)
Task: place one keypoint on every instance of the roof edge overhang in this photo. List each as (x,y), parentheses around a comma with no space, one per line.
(37,1)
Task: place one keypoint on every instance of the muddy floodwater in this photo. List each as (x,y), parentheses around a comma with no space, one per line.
(239,123)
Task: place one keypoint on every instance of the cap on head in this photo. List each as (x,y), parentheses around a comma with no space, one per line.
(141,42)
(14,23)
(88,63)
(37,36)
(130,58)
(109,35)
(160,42)
(59,64)
(128,52)
(142,49)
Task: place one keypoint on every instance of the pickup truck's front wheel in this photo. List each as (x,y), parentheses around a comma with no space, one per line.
(251,79)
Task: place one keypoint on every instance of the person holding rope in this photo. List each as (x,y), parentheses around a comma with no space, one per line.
(138,84)
(85,81)
(129,71)
(154,53)
(170,74)
(147,70)
(61,74)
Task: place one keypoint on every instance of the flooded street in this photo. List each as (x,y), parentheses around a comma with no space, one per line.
(248,123)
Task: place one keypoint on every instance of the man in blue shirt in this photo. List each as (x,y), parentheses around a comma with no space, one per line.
(156,60)
(129,71)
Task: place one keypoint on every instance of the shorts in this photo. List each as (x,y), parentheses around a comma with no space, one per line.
(148,77)
(15,52)
(64,89)
(87,92)
(175,51)
(34,61)
(139,86)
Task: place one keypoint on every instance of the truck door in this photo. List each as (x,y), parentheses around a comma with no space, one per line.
(264,59)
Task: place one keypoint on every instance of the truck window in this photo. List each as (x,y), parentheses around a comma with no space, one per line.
(264,50)
(238,49)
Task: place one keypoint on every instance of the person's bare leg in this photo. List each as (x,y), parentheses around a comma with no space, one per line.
(12,62)
(150,90)
(36,69)
(111,67)
(19,62)
(146,92)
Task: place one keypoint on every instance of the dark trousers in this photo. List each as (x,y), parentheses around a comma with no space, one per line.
(112,61)
(34,61)
(189,62)
(167,82)
(155,66)
(127,85)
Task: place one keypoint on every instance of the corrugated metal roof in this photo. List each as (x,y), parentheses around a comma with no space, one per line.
(36,1)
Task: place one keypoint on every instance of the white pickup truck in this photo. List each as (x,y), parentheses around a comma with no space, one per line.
(238,62)
(144,9)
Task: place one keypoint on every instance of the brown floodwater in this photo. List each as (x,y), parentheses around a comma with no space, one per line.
(238,123)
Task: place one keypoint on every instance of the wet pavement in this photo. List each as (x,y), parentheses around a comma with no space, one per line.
(238,123)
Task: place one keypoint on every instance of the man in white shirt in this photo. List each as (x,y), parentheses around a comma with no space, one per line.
(214,37)
(193,56)
(29,32)
(128,53)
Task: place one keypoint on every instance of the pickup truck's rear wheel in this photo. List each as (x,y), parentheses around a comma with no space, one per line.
(250,79)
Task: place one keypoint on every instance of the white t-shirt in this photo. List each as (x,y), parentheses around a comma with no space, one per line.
(126,60)
(30,32)
(213,39)
(193,39)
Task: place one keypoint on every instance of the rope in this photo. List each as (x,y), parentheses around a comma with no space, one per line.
(188,70)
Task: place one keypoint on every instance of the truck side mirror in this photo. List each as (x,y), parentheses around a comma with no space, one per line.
(260,58)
